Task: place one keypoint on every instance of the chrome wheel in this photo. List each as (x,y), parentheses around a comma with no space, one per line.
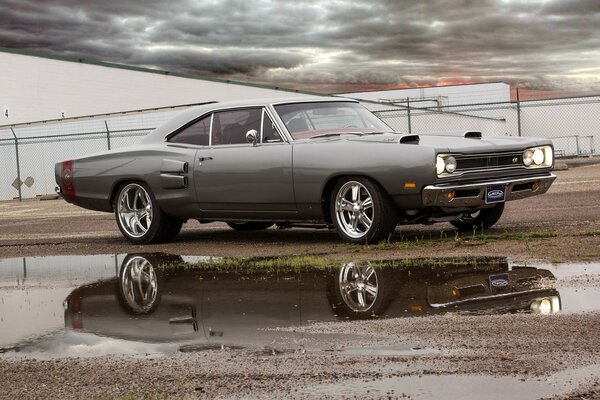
(354,209)
(358,286)
(134,210)
(139,285)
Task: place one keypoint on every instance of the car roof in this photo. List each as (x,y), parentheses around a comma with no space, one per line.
(194,112)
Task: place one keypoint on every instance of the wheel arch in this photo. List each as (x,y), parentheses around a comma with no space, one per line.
(118,185)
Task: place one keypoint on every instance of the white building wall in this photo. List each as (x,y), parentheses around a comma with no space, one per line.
(35,88)
(447,95)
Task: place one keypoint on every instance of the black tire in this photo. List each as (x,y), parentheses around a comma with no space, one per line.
(158,229)
(484,219)
(249,226)
(382,213)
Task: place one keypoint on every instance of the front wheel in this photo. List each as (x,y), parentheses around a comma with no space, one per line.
(139,217)
(480,219)
(361,211)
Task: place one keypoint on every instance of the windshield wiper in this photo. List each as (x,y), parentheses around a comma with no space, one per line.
(322,135)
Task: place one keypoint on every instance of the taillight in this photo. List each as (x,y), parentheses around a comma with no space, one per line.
(66,176)
(74,311)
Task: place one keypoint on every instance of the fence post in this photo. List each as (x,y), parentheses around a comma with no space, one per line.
(518,113)
(408,111)
(18,163)
(107,134)
(577,144)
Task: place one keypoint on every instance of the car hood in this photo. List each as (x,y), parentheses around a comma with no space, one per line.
(450,143)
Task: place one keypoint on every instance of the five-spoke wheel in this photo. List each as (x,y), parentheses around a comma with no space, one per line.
(361,211)
(358,286)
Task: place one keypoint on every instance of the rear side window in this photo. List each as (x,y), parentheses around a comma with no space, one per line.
(196,133)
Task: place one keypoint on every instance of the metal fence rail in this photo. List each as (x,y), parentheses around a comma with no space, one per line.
(28,152)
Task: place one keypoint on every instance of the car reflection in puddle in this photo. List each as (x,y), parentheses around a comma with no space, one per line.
(161,303)
(160,298)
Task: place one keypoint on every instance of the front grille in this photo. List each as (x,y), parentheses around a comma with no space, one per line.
(484,162)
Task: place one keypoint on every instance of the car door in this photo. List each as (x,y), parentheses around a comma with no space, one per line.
(236,178)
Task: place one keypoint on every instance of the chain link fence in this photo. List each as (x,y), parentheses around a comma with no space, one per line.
(28,152)
(571,123)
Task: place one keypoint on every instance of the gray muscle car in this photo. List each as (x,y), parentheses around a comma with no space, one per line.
(322,162)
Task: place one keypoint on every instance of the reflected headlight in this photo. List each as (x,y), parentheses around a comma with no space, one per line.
(545,306)
(538,157)
(445,164)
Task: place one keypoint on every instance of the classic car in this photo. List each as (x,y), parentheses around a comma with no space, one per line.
(159,298)
(322,162)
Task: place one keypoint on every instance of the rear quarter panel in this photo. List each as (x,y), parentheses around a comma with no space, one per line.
(97,177)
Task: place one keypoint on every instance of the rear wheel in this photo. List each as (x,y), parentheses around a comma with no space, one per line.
(361,211)
(139,285)
(249,226)
(480,219)
(139,217)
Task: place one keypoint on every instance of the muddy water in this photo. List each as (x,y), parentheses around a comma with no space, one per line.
(161,304)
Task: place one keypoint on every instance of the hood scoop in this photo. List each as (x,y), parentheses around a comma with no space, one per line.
(409,139)
(472,135)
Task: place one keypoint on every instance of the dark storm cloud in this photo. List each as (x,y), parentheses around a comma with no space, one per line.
(541,44)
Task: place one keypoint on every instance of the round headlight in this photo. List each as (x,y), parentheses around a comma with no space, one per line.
(545,307)
(440,165)
(538,156)
(527,157)
(450,164)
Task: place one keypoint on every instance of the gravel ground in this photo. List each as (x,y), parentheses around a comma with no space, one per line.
(505,345)
(563,225)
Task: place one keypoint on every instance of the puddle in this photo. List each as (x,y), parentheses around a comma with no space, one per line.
(160,304)
(463,386)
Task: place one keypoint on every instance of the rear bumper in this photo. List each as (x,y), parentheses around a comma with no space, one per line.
(450,195)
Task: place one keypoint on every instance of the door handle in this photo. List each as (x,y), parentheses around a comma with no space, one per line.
(204,158)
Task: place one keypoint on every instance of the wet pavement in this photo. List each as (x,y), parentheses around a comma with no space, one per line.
(148,305)
(158,303)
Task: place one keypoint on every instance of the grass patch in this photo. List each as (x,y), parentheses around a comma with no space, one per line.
(591,233)
(511,236)
(268,265)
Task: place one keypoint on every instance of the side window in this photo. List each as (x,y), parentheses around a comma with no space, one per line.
(269,132)
(230,127)
(197,133)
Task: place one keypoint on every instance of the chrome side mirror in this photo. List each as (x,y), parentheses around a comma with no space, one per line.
(252,136)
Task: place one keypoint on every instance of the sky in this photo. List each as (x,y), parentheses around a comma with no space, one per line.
(328,46)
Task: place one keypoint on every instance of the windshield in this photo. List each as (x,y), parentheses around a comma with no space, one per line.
(306,120)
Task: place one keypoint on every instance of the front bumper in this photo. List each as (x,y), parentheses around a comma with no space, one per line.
(450,195)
